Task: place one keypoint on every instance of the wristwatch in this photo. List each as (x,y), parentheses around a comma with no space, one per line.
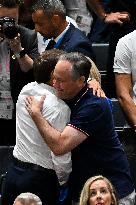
(21,54)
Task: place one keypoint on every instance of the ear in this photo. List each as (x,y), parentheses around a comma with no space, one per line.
(55,19)
(82,80)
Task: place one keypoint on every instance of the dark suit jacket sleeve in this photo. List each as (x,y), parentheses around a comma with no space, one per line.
(29,41)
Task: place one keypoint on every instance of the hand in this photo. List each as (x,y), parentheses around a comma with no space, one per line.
(34,106)
(15,44)
(117,17)
(97,90)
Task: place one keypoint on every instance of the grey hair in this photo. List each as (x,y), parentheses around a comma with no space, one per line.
(80,64)
(28,198)
(50,7)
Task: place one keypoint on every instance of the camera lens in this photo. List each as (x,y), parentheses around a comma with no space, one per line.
(8,27)
(10,30)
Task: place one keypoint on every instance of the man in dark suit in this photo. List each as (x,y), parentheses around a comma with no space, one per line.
(49,17)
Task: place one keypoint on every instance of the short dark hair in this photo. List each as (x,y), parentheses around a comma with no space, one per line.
(80,64)
(49,7)
(45,64)
(9,3)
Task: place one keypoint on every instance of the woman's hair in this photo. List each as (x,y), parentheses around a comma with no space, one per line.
(28,199)
(94,72)
(85,193)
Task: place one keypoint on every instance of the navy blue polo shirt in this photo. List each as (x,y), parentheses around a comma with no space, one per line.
(101,153)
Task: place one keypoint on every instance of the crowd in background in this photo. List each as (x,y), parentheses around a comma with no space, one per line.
(71,26)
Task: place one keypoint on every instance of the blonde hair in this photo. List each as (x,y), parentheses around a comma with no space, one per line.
(94,72)
(28,199)
(84,196)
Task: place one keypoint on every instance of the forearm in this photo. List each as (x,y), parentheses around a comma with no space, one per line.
(50,135)
(59,142)
(129,108)
(19,52)
(113,17)
(97,7)
(26,63)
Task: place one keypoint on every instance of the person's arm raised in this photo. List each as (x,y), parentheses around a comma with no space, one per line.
(25,62)
(113,17)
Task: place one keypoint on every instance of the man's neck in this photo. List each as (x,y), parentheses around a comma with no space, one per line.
(61,29)
(73,101)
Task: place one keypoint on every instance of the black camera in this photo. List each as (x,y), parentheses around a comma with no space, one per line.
(8,27)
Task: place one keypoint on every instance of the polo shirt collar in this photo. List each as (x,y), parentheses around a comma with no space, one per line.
(73,102)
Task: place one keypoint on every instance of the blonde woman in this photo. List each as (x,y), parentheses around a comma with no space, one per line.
(98,190)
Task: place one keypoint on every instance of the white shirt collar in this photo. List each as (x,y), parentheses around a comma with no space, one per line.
(62,34)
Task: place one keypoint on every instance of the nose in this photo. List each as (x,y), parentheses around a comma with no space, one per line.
(99,195)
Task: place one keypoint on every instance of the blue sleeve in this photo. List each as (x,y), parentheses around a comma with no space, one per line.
(93,118)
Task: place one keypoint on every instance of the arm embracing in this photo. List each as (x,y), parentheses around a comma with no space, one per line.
(59,142)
